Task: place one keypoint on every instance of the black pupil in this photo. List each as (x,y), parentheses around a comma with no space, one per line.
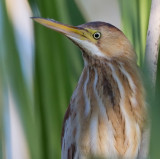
(96,35)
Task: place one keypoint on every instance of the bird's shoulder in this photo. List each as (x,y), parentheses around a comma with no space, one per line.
(67,115)
(67,140)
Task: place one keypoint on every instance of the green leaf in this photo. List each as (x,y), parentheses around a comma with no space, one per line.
(57,69)
(135,16)
(58,64)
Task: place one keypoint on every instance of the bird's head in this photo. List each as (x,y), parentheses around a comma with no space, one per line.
(96,39)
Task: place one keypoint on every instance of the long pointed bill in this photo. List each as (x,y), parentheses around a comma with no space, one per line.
(69,31)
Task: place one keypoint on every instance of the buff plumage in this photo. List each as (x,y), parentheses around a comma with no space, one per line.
(107,114)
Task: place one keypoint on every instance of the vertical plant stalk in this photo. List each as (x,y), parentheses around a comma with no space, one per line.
(153,40)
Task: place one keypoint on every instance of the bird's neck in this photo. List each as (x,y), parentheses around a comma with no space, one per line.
(113,77)
(113,81)
(110,91)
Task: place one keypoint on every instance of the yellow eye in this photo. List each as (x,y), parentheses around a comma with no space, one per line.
(97,35)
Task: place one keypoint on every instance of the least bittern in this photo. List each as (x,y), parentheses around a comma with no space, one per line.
(107,112)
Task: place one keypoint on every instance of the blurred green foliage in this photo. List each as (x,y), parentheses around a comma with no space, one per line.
(12,80)
(58,64)
(135,17)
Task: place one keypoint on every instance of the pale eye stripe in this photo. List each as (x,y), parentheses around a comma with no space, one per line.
(132,85)
(90,47)
(87,101)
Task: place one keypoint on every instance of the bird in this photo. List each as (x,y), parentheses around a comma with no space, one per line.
(107,116)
